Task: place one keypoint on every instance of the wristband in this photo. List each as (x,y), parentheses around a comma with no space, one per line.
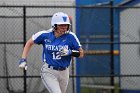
(75,53)
(22,60)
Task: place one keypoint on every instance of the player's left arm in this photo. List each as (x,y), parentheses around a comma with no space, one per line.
(76,50)
(81,52)
(75,53)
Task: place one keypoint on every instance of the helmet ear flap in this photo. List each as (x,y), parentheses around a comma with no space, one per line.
(68,27)
(55,26)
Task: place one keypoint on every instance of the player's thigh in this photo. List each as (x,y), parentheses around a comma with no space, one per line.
(64,81)
(51,83)
(63,86)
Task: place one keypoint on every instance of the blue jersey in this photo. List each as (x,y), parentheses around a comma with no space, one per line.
(52,46)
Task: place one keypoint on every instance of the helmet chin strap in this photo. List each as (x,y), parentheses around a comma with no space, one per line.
(67,31)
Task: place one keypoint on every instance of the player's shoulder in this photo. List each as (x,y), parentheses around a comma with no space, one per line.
(72,34)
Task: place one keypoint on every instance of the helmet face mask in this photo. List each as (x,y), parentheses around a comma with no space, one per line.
(60,18)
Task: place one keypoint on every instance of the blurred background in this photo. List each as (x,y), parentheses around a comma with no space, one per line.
(101,25)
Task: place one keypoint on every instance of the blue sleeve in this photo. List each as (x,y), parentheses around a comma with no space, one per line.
(76,45)
(38,38)
(75,42)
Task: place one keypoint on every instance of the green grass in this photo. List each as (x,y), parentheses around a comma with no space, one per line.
(116,88)
(88,90)
(94,90)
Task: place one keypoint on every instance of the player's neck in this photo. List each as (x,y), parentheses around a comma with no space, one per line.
(56,34)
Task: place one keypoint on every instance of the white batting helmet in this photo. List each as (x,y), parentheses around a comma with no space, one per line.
(60,18)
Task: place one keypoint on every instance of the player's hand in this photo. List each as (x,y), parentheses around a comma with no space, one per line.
(65,52)
(23,63)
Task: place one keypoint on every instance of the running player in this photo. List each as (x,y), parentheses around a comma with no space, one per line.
(59,46)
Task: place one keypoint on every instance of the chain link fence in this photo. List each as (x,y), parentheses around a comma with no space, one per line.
(95,73)
(18,24)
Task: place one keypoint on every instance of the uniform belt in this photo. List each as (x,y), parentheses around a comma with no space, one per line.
(56,68)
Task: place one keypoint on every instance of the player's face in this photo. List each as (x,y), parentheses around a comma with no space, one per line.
(61,29)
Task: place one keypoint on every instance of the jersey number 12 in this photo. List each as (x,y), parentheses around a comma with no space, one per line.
(56,55)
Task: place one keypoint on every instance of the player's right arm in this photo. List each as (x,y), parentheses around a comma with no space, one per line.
(23,61)
(27,48)
(35,39)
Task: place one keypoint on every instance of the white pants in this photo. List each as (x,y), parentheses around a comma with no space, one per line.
(55,81)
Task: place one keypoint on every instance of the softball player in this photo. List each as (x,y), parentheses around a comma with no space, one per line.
(59,46)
